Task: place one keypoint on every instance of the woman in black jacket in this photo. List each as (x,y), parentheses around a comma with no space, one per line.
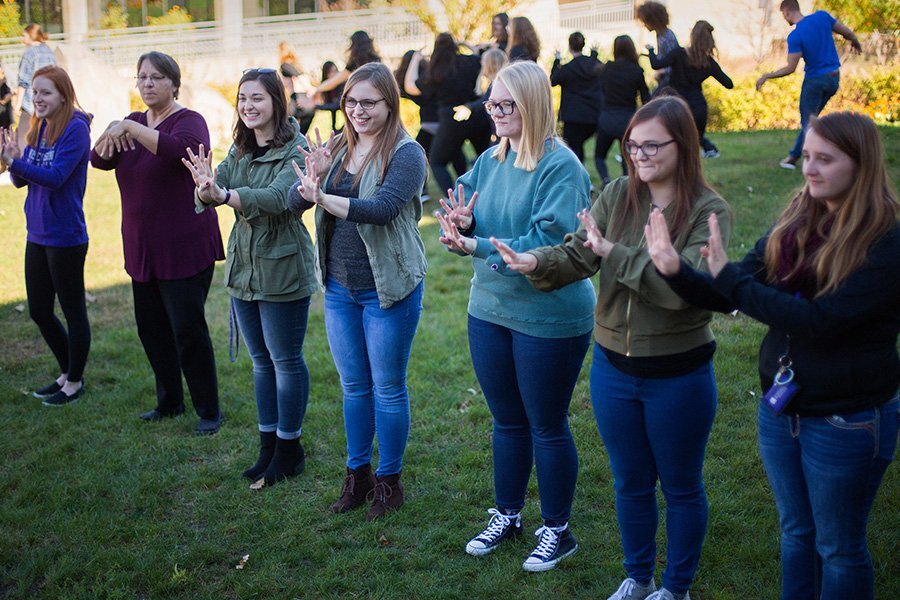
(621,82)
(692,66)
(824,280)
(579,105)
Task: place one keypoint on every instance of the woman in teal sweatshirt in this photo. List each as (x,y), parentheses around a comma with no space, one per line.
(527,346)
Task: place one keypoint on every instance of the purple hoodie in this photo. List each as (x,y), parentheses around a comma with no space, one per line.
(56,177)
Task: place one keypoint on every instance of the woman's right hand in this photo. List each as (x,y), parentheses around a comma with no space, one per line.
(523,262)
(319,152)
(200,166)
(9,147)
(451,237)
(457,210)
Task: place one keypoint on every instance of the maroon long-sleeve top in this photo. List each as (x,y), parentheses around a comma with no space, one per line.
(163,237)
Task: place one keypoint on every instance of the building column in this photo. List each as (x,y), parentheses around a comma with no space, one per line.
(75,19)
(230,16)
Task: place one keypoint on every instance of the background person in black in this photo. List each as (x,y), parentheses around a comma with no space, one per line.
(579,106)
(691,66)
(499,35)
(361,51)
(451,78)
(621,82)
(331,100)
(406,75)
(523,40)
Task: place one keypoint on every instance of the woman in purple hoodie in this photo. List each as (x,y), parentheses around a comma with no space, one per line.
(54,167)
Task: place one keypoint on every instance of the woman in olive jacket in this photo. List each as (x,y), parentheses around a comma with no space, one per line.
(269,270)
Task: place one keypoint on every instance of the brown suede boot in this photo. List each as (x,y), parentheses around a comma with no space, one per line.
(357,485)
(387,495)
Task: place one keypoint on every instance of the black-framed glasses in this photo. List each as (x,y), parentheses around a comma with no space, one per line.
(506,106)
(155,78)
(648,148)
(366,105)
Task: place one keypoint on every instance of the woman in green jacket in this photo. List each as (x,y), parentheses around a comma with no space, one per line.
(652,381)
(269,268)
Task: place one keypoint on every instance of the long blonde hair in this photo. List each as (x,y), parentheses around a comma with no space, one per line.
(868,211)
(492,61)
(530,89)
(382,79)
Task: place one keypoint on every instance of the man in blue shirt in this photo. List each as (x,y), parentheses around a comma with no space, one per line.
(811,39)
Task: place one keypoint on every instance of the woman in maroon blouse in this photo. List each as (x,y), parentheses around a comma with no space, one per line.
(170,251)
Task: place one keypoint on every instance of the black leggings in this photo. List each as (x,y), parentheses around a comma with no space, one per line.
(52,273)
(576,134)
(460,165)
(611,127)
(449,140)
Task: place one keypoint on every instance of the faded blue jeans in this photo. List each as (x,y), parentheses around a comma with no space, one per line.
(825,473)
(371,347)
(274,333)
(815,93)
(657,429)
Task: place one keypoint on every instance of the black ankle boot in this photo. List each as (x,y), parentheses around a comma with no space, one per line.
(288,460)
(266,450)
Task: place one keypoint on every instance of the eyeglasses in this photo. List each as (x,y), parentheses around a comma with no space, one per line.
(366,105)
(143,79)
(264,71)
(648,148)
(506,106)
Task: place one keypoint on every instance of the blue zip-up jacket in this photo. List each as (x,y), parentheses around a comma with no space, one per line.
(56,177)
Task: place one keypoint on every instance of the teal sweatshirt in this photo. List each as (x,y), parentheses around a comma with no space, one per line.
(527,210)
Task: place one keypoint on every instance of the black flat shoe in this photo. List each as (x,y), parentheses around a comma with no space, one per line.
(208,426)
(158,415)
(60,398)
(47,391)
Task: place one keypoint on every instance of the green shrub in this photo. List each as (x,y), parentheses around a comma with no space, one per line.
(114,17)
(874,92)
(9,19)
(175,16)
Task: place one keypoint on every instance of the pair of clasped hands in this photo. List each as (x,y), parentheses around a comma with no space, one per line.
(457,216)
(9,148)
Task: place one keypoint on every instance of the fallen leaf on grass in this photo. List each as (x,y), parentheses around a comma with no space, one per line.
(243,562)
(20,308)
(465,405)
(472,391)
(258,484)
(90,297)
(752,393)
(383,540)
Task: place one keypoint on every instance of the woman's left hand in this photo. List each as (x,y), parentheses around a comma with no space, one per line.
(9,147)
(659,245)
(118,134)
(598,244)
(715,255)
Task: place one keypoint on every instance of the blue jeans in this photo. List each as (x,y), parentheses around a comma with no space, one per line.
(528,383)
(815,92)
(371,347)
(825,472)
(657,429)
(274,332)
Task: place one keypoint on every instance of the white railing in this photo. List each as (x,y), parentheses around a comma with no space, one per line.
(595,16)
(393,30)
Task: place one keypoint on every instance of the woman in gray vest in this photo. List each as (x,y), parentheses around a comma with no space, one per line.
(365,185)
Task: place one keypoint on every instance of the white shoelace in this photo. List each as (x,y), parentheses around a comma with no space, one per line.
(497,525)
(549,539)
(625,589)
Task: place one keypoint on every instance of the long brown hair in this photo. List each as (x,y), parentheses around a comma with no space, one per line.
(675,116)
(380,77)
(57,122)
(868,211)
(282,132)
(522,33)
(703,45)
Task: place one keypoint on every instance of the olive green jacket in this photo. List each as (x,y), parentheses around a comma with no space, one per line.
(637,314)
(270,252)
(396,252)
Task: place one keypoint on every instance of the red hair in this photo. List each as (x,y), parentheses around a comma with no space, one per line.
(56,123)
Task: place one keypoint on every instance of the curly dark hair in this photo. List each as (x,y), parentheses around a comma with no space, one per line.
(654,15)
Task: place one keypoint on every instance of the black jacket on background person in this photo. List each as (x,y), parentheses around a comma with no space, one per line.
(579,81)
(843,345)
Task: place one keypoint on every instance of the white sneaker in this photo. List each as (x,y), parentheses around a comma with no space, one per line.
(632,590)
(500,527)
(664,594)
(789,163)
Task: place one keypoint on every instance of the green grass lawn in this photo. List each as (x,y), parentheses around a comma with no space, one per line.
(95,503)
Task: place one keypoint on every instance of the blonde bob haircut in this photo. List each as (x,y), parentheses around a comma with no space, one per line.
(530,89)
